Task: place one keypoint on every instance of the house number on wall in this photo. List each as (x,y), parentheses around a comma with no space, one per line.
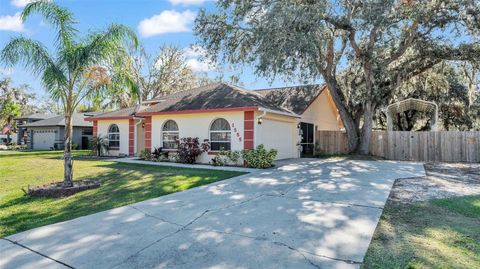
(236,132)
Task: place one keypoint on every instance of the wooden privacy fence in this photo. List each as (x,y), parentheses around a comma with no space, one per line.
(444,146)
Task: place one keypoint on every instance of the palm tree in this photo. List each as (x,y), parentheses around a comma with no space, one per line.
(76,70)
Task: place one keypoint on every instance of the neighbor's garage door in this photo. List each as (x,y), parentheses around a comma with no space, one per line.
(281,136)
(43,139)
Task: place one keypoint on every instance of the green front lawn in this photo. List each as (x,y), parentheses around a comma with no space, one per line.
(122,184)
(443,233)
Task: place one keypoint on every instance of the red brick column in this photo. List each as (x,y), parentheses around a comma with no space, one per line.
(248,129)
(95,128)
(148,133)
(131,137)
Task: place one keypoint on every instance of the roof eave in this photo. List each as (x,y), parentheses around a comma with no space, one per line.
(290,114)
(109,118)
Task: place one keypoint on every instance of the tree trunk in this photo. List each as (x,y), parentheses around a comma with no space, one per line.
(9,125)
(366,134)
(67,153)
(347,119)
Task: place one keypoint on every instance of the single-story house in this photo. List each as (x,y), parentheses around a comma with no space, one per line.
(230,117)
(22,135)
(49,133)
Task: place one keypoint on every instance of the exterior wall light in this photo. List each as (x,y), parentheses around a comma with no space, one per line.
(259,121)
(143,124)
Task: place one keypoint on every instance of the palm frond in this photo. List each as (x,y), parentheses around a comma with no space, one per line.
(55,82)
(104,46)
(61,18)
(32,54)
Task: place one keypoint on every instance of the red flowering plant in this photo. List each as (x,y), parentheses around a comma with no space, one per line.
(189,148)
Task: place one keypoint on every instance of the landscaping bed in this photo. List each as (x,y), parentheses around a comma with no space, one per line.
(189,149)
(430,222)
(57,189)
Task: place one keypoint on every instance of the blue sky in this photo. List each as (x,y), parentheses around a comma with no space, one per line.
(157,22)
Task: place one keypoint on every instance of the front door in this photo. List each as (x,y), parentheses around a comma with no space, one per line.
(85,142)
(140,138)
(307,142)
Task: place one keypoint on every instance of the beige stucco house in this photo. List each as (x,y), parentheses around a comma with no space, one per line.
(231,118)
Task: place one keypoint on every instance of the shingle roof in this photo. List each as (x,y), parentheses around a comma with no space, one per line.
(290,100)
(124,112)
(296,98)
(78,121)
(213,96)
(36,116)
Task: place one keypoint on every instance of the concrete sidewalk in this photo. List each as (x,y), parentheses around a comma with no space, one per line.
(308,213)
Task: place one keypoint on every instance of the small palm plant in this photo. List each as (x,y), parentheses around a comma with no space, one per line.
(100,146)
(77,68)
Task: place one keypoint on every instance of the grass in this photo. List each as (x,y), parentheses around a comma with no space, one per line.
(122,184)
(442,233)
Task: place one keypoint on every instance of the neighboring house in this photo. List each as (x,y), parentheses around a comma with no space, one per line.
(49,133)
(6,133)
(22,135)
(231,118)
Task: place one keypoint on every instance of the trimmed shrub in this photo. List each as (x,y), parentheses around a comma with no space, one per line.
(146,154)
(172,156)
(259,157)
(226,158)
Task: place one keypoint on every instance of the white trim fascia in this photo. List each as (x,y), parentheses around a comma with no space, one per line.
(279,112)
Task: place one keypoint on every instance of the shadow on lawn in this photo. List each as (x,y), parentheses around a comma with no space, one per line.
(427,235)
(56,153)
(123,184)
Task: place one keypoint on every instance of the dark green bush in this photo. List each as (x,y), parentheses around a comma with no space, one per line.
(259,157)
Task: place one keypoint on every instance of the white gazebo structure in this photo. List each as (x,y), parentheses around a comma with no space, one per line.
(412,104)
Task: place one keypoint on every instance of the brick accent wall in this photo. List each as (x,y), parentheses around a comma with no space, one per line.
(148,133)
(131,137)
(248,129)
(95,128)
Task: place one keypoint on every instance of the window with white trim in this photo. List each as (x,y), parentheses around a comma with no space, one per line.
(170,134)
(113,137)
(220,135)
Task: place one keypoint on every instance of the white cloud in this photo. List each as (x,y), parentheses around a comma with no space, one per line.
(187,2)
(11,23)
(200,66)
(194,51)
(195,59)
(168,21)
(20,3)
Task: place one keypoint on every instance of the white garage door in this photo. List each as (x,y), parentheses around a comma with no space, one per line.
(43,139)
(279,135)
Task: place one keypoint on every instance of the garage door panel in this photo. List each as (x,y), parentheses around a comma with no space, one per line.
(44,139)
(280,136)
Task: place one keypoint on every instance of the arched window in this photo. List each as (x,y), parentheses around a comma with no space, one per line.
(170,134)
(220,137)
(113,137)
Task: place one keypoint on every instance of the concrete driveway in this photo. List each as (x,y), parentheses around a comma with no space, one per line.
(308,213)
